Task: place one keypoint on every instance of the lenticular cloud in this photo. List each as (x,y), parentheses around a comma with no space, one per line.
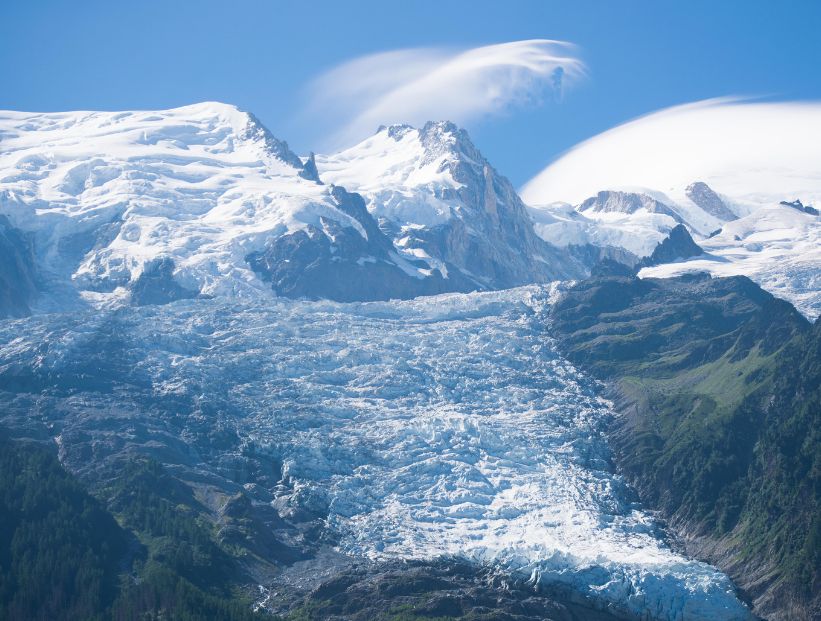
(417,85)
(754,152)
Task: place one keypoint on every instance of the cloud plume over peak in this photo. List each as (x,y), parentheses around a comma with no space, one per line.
(422,84)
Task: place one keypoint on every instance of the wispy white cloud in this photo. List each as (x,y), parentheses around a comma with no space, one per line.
(422,84)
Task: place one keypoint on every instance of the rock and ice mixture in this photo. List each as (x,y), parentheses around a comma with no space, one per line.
(446,425)
(150,206)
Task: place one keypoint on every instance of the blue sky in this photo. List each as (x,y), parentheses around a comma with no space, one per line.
(262,56)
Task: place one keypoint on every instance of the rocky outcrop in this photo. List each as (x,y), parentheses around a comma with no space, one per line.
(348,264)
(17,272)
(678,246)
(798,205)
(156,285)
(710,202)
(447,589)
(309,170)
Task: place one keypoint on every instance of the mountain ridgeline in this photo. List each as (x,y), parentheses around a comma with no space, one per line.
(718,388)
(204,201)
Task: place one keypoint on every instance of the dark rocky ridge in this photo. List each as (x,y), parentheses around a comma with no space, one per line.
(706,198)
(799,206)
(156,285)
(717,386)
(446,589)
(18,278)
(677,246)
(339,263)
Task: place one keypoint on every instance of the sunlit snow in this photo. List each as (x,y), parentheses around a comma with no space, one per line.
(204,185)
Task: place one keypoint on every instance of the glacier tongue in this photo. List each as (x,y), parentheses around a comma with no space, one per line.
(439,426)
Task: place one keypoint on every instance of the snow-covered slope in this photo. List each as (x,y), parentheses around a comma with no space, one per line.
(188,194)
(629,220)
(778,247)
(715,165)
(441,200)
(202,184)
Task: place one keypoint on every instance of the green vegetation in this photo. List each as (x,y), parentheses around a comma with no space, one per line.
(59,549)
(718,386)
(65,556)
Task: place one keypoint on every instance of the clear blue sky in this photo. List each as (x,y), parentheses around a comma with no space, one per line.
(641,56)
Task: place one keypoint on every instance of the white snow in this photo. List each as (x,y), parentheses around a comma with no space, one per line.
(778,247)
(392,170)
(561,225)
(198,184)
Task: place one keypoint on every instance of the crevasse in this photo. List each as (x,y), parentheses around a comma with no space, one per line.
(445,425)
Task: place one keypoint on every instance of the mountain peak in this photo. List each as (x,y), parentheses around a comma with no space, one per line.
(709,201)
(443,200)
(434,136)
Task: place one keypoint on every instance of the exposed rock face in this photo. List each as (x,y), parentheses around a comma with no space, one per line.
(309,170)
(156,285)
(797,204)
(592,255)
(493,238)
(678,246)
(704,196)
(627,202)
(17,271)
(345,264)
(256,132)
(451,589)
(439,199)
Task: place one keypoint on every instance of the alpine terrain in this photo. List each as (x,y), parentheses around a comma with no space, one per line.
(240,383)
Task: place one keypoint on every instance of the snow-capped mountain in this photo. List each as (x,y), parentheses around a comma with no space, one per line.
(723,169)
(633,220)
(440,200)
(158,205)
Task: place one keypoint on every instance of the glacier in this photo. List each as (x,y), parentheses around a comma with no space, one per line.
(435,427)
